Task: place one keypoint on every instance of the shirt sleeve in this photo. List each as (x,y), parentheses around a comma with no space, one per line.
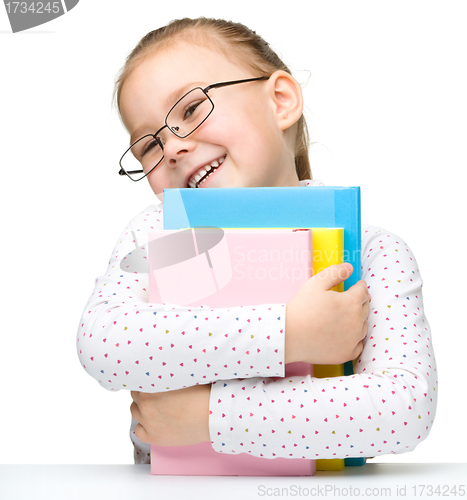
(387,406)
(125,342)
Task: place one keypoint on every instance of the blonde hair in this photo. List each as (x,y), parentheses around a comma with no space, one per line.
(259,57)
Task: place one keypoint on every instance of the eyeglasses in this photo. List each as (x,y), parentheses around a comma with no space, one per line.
(187,115)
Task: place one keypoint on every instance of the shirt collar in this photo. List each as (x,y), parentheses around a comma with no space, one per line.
(309,182)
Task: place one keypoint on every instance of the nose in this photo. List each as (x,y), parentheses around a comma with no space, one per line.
(176,148)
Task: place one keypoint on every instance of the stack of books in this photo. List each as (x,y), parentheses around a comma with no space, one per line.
(226,247)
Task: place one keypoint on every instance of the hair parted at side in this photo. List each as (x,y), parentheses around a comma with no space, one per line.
(251,48)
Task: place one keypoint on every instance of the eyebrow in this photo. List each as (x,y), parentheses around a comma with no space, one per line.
(137,134)
(175,95)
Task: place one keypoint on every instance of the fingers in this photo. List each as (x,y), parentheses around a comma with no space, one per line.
(358,350)
(135,413)
(359,347)
(364,330)
(141,434)
(333,275)
(365,310)
(140,431)
(360,289)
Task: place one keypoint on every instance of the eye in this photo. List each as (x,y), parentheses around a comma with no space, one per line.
(150,145)
(190,109)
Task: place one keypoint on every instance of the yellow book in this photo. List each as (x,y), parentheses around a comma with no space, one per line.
(328,250)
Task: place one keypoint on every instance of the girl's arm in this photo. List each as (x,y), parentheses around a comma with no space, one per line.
(387,406)
(126,343)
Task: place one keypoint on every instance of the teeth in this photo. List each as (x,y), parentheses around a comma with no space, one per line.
(202,182)
(194,179)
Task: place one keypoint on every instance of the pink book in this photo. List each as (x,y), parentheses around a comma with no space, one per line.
(222,268)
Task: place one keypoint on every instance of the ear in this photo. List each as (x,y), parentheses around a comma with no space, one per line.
(287,98)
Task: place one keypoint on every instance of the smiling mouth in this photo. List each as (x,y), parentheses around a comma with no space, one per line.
(203,173)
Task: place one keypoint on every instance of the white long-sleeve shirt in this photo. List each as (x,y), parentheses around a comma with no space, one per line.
(387,406)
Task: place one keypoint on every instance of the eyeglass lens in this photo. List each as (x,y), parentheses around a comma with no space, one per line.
(187,114)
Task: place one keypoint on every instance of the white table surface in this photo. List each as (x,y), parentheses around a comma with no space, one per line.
(114,482)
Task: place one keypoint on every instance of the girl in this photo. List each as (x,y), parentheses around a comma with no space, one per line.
(204,374)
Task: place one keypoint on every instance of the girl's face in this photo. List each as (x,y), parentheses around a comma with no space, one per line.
(242,131)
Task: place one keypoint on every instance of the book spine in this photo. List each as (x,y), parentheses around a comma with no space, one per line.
(328,250)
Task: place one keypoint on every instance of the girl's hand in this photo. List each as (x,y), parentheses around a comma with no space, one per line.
(323,326)
(172,418)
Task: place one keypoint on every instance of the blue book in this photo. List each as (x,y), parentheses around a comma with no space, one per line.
(293,207)
(278,207)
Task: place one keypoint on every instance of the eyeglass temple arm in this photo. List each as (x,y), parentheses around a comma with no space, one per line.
(225,84)
(122,172)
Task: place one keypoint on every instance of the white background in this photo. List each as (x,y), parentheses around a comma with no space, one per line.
(385,91)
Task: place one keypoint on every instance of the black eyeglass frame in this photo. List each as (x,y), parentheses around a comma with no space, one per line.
(122,171)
